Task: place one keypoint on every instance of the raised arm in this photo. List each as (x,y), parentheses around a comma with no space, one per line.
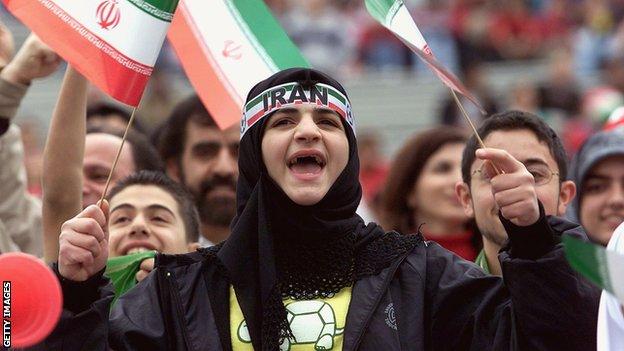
(20,213)
(542,305)
(62,165)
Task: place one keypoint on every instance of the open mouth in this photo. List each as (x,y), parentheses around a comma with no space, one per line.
(307,163)
(135,248)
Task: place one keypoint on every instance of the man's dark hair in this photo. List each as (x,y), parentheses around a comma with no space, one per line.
(516,120)
(144,154)
(185,201)
(170,137)
(106,109)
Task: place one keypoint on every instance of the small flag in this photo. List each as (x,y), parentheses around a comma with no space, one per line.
(393,15)
(616,120)
(113,43)
(122,271)
(604,268)
(227,46)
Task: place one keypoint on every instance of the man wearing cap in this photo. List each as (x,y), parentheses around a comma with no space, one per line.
(598,171)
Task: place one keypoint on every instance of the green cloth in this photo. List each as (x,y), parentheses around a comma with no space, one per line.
(482,262)
(122,270)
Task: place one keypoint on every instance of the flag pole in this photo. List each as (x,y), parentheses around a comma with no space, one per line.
(474,129)
(123,140)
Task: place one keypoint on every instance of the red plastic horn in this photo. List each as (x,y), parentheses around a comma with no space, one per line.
(31,300)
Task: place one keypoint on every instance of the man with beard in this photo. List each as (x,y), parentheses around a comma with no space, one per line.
(204,159)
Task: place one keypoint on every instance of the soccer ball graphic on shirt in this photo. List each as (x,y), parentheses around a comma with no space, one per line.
(311,322)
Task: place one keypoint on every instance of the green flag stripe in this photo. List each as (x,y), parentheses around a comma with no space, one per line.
(337,95)
(161,9)
(379,8)
(588,259)
(255,101)
(270,34)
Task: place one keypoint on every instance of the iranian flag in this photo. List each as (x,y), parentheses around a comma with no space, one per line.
(393,15)
(114,43)
(227,46)
(603,267)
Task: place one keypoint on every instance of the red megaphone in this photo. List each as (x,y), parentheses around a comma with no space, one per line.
(31,300)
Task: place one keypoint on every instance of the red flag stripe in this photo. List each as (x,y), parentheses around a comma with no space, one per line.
(202,73)
(122,82)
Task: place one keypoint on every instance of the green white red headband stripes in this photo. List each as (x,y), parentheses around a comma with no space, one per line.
(294,94)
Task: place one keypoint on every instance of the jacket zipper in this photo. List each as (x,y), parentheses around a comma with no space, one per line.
(178,307)
(384,287)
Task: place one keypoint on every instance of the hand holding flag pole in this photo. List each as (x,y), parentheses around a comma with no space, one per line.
(393,15)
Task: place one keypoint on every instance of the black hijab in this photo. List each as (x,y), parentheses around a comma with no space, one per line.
(280,249)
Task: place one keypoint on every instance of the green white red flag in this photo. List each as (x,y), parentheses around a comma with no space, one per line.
(113,43)
(225,47)
(603,267)
(393,15)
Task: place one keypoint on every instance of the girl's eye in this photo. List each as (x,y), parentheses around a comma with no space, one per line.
(328,122)
(282,122)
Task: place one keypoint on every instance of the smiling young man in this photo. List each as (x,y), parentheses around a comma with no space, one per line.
(533,144)
(148,212)
(598,170)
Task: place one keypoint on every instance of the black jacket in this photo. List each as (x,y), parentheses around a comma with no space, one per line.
(428,299)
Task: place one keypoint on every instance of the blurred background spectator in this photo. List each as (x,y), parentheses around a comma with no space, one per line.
(420,192)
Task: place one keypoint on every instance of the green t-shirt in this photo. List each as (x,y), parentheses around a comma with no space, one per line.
(482,262)
(315,324)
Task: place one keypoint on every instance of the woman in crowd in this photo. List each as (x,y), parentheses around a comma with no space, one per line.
(420,190)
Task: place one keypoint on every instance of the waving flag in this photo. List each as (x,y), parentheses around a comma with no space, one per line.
(604,268)
(393,15)
(225,47)
(114,43)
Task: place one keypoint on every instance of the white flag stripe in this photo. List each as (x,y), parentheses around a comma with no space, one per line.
(237,57)
(615,266)
(133,24)
(231,90)
(403,25)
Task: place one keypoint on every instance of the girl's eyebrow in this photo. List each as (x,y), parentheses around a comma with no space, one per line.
(288,110)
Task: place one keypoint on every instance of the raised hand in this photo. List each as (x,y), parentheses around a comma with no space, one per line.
(513,189)
(33,60)
(84,243)
(7,46)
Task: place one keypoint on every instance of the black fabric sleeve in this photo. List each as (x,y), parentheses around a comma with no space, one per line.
(540,305)
(89,323)
(84,321)
(530,242)
(78,296)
